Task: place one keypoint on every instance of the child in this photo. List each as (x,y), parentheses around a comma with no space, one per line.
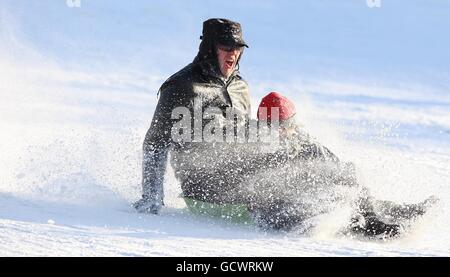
(308,180)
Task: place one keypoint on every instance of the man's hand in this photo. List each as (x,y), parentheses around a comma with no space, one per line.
(148,205)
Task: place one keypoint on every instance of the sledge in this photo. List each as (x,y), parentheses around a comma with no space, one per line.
(372,228)
(235,213)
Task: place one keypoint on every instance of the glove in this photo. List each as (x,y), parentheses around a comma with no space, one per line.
(148,205)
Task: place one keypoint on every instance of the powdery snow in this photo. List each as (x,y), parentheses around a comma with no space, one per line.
(71,163)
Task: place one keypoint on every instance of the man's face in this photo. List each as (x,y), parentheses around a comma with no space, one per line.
(228,57)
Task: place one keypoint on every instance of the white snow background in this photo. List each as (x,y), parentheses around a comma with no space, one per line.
(78,90)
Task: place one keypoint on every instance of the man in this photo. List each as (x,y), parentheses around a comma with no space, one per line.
(212,80)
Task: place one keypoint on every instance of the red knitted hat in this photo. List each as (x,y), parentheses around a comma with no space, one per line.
(276,100)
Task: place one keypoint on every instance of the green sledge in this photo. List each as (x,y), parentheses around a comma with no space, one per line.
(235,213)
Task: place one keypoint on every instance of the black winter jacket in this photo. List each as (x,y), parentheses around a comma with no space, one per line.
(200,83)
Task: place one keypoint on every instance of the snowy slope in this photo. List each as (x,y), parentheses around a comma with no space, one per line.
(74,114)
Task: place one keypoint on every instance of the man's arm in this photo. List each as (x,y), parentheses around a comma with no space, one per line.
(156,147)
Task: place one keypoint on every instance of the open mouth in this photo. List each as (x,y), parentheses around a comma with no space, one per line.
(229,63)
